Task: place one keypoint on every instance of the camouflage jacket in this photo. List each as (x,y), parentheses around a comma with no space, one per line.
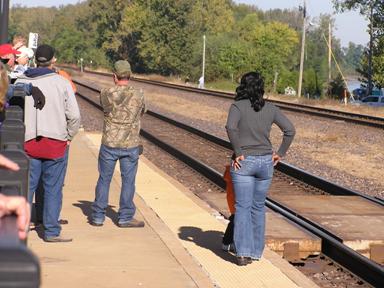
(123,107)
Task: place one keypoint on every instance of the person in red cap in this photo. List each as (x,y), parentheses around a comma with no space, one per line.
(7,55)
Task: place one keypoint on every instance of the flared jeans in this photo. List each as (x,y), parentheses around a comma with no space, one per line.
(251,183)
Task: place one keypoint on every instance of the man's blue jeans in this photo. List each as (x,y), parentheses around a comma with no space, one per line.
(51,172)
(128,158)
(39,192)
(251,183)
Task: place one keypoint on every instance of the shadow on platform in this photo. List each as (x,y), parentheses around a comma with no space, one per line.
(86,208)
(210,240)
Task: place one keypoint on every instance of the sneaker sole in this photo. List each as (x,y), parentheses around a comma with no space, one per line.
(96,224)
(57,240)
(129,226)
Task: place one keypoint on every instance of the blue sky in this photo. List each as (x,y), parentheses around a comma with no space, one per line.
(349,26)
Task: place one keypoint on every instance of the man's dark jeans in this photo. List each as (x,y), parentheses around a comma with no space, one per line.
(51,172)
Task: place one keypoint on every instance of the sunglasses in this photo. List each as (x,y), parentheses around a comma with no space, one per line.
(4,60)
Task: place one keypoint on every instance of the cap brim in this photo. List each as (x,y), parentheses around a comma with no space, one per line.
(10,51)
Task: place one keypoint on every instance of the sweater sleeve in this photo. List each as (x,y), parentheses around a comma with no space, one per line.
(288,130)
(72,112)
(232,127)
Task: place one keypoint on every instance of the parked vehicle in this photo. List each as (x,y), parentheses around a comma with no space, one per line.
(371,100)
(358,93)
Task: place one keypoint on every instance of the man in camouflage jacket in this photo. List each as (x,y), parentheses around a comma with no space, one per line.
(123,107)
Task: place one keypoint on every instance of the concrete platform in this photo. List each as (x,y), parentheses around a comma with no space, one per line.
(357,221)
(179,247)
(282,236)
(109,256)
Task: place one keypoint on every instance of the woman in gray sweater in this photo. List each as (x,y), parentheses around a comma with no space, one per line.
(248,126)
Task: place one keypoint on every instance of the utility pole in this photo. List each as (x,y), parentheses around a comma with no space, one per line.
(275,82)
(302,51)
(201,79)
(369,90)
(4,12)
(329,54)
(203,74)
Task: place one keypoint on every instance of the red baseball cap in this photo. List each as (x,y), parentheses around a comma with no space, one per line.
(6,49)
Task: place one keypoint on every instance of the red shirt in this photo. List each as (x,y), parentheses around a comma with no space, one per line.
(45,148)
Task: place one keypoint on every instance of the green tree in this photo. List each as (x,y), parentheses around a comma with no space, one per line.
(159,30)
(211,17)
(227,57)
(38,20)
(352,57)
(337,87)
(373,11)
(378,78)
(311,83)
(240,11)
(292,17)
(247,24)
(274,43)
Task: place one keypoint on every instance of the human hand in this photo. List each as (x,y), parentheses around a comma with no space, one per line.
(275,158)
(38,98)
(236,163)
(8,164)
(19,206)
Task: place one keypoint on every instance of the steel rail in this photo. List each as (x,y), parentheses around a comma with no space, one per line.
(283,167)
(332,247)
(361,119)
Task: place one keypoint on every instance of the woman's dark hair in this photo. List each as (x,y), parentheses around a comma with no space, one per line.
(251,87)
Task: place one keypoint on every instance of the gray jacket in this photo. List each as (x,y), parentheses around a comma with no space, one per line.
(60,117)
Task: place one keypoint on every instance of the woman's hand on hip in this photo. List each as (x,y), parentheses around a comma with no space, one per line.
(275,158)
(236,163)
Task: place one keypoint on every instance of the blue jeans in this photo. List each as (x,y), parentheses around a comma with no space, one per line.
(39,191)
(51,173)
(251,183)
(128,158)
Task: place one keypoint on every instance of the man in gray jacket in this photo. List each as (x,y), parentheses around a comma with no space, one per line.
(47,136)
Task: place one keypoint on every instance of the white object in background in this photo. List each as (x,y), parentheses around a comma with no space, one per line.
(33,40)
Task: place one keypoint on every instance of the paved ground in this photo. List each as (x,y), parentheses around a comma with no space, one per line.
(179,247)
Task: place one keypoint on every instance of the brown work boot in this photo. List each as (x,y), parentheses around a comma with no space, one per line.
(131,224)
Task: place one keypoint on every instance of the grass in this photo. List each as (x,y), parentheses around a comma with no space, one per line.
(223,85)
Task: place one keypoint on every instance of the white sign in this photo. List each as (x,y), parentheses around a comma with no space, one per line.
(32,41)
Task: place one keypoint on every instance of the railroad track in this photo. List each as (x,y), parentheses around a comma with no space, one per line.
(332,245)
(360,119)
